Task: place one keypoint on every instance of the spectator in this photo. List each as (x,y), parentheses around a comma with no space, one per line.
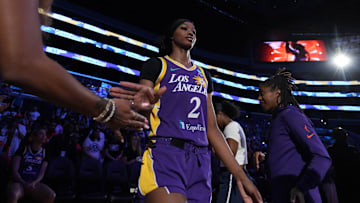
(114,147)
(34,114)
(14,137)
(346,162)
(132,158)
(28,169)
(93,145)
(63,144)
(133,151)
(59,128)
(19,134)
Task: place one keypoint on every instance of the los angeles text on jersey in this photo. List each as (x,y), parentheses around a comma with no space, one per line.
(184,86)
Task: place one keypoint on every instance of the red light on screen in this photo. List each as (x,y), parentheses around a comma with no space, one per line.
(289,51)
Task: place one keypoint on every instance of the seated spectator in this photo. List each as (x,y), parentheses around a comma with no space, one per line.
(15,133)
(133,159)
(113,147)
(93,145)
(28,168)
(19,134)
(133,151)
(63,144)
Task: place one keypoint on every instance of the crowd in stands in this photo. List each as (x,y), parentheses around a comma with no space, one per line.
(69,136)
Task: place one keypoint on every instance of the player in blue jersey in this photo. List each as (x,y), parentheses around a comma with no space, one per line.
(28,169)
(297,159)
(176,168)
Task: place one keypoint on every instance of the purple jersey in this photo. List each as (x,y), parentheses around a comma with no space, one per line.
(31,164)
(297,157)
(181,111)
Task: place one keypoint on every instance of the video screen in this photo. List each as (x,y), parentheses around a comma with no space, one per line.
(291,51)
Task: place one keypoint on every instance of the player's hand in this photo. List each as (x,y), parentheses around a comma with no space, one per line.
(246,198)
(296,196)
(143,97)
(125,117)
(249,192)
(259,157)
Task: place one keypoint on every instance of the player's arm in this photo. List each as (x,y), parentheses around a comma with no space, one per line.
(233,144)
(23,63)
(311,147)
(223,151)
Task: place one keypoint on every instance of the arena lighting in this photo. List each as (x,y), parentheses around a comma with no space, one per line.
(142,58)
(136,56)
(155,49)
(341,60)
(127,70)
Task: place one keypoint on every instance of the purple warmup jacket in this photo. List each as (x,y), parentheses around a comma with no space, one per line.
(297,157)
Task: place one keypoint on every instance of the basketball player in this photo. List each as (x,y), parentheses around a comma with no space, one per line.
(176,168)
(298,160)
(23,63)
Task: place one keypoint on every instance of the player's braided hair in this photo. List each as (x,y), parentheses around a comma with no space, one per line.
(283,81)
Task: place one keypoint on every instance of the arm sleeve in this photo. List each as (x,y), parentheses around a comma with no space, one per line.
(312,149)
(151,70)
(210,83)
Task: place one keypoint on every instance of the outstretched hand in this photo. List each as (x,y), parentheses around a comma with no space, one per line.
(125,117)
(143,97)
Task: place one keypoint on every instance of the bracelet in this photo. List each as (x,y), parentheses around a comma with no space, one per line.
(105,111)
(111,113)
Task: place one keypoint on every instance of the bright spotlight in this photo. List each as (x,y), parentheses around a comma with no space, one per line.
(341,60)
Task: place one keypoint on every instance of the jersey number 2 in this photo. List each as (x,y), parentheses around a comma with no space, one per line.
(193,113)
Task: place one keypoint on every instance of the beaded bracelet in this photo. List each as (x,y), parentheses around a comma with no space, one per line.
(111,113)
(105,111)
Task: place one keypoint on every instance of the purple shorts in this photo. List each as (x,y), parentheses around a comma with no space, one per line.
(184,168)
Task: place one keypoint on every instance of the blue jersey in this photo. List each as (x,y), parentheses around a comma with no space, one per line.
(182,111)
(31,164)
